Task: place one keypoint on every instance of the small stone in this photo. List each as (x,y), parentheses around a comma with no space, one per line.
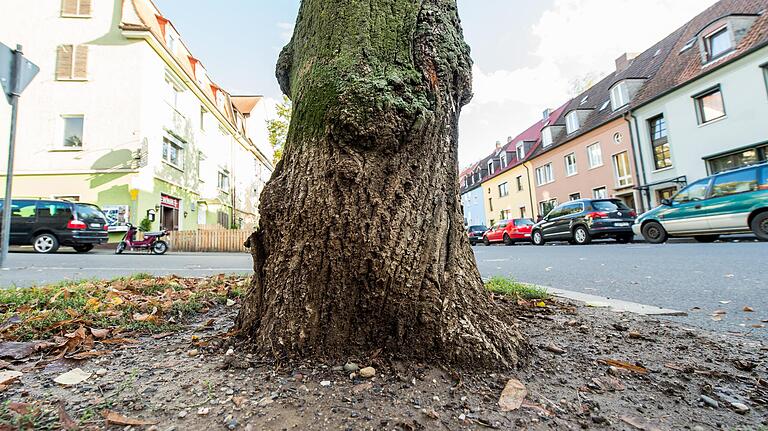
(230,352)
(202,411)
(740,408)
(367,372)
(338,368)
(232,424)
(635,335)
(192,353)
(325,383)
(619,327)
(462,417)
(182,414)
(710,402)
(153,428)
(101,372)
(351,367)
(554,349)
(265,402)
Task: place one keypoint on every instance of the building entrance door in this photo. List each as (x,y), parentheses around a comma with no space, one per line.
(169,212)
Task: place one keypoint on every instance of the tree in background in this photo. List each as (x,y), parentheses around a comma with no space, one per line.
(278,128)
(361,246)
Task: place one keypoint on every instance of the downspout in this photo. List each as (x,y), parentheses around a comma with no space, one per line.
(530,189)
(635,138)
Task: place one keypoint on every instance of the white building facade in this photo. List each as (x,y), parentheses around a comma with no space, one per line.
(122,115)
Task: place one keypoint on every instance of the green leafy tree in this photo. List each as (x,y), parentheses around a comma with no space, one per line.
(278,127)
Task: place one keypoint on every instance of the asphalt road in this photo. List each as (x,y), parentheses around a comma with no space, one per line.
(682,276)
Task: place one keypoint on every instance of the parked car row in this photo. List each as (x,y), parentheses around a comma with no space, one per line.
(47,225)
(731,202)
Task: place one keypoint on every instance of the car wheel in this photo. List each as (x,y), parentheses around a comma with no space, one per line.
(654,233)
(85,248)
(508,240)
(625,239)
(760,226)
(581,236)
(473,243)
(120,247)
(537,238)
(706,238)
(160,247)
(486,241)
(46,243)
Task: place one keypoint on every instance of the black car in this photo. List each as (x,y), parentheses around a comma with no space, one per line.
(475,233)
(581,221)
(48,224)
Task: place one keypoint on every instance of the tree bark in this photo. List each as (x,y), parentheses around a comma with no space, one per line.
(361,245)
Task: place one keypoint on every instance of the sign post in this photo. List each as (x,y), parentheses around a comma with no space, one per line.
(16,72)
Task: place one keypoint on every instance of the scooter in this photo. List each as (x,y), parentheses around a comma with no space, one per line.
(151,242)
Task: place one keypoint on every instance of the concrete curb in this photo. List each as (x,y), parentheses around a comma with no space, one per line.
(615,305)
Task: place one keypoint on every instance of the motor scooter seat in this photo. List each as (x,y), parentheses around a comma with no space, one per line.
(153,233)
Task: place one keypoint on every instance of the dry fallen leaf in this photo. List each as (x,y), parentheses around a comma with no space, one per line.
(72,377)
(118,419)
(622,364)
(9,376)
(512,396)
(65,420)
(748,309)
(20,408)
(100,333)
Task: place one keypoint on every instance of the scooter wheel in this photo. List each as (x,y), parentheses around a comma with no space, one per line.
(160,247)
(120,248)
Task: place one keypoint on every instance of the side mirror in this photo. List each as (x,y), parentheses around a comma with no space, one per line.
(666,202)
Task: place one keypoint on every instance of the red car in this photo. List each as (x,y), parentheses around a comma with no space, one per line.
(509,231)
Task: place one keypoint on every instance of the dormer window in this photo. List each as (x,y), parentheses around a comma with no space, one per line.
(171,39)
(546,136)
(718,43)
(619,96)
(503,160)
(520,150)
(490,168)
(572,123)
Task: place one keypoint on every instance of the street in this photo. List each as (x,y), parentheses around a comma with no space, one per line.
(679,275)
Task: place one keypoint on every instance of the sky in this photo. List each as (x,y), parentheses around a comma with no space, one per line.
(527,53)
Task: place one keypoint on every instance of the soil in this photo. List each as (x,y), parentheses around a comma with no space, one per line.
(669,377)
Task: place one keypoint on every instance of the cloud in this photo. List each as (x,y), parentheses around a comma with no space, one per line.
(573,38)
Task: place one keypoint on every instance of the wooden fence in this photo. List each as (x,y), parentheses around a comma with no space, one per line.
(211,240)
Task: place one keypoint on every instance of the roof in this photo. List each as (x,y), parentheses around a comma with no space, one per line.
(597,98)
(684,66)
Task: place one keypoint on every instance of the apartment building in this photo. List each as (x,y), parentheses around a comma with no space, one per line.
(123,115)
(705,110)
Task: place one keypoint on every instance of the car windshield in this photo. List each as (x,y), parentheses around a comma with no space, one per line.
(524,222)
(479,228)
(609,205)
(87,212)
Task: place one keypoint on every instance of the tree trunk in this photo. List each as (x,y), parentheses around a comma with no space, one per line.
(361,245)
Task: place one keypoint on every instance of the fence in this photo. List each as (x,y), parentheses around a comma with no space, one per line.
(212,240)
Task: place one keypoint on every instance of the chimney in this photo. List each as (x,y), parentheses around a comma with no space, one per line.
(547,113)
(498,145)
(623,62)
(509,139)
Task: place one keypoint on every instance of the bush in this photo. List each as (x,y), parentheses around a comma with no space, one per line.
(145,225)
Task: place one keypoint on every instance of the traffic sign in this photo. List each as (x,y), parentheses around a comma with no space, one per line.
(27,72)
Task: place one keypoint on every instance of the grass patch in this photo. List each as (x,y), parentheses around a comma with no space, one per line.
(140,303)
(508,287)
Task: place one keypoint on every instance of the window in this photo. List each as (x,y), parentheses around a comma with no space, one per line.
(200,162)
(503,190)
(621,169)
(570,164)
(73,132)
(519,183)
(523,212)
(733,161)
(490,168)
(695,192)
(572,122)
(595,156)
(520,150)
(546,136)
(171,38)
(23,209)
(718,43)
(665,193)
(574,196)
(72,63)
(765,75)
(619,96)
(76,8)
(734,183)
(618,138)
(600,193)
(545,207)
(223,181)
(544,174)
(54,211)
(709,105)
(203,115)
(173,153)
(662,156)
(503,160)
(172,91)
(490,206)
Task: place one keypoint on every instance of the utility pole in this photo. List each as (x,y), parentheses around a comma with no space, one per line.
(15,75)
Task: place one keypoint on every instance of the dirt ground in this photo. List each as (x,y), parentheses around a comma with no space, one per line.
(668,377)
